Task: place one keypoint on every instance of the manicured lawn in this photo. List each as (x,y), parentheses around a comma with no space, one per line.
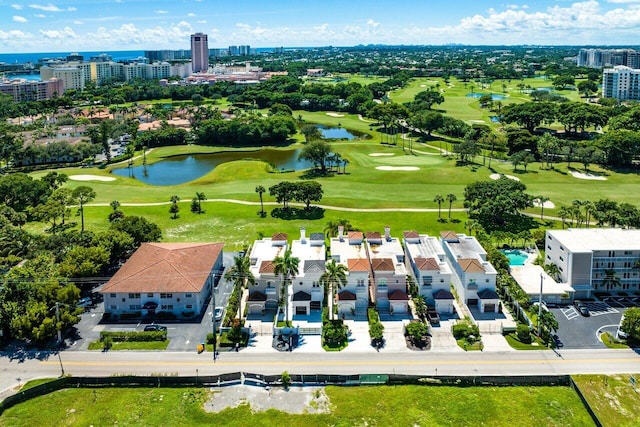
(612,398)
(133,345)
(363,186)
(463,344)
(518,345)
(611,342)
(384,405)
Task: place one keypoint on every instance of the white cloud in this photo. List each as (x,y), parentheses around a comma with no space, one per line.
(65,34)
(77,22)
(40,15)
(51,8)
(17,18)
(161,12)
(202,21)
(17,6)
(191,14)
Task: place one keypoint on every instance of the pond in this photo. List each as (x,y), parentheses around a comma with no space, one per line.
(494,96)
(180,169)
(336,133)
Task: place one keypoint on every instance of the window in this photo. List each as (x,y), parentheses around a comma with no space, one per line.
(549,247)
(427,280)
(561,259)
(135,307)
(178,299)
(487,280)
(166,307)
(113,307)
(124,299)
(150,295)
(360,282)
(166,295)
(112,295)
(187,295)
(300,283)
(189,306)
(132,295)
(561,248)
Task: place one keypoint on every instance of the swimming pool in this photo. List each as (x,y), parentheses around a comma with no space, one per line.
(516,256)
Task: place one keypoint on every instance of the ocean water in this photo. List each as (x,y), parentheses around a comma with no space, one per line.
(23,58)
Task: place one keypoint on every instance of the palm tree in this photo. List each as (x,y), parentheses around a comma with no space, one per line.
(331,228)
(542,200)
(260,190)
(174,209)
(332,279)
(241,276)
(286,266)
(451,198)
(552,270)
(563,212)
(200,197)
(83,194)
(438,199)
(611,281)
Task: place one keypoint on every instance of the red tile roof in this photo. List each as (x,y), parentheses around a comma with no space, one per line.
(373,235)
(411,234)
(471,265)
(354,235)
(280,236)
(358,264)
(449,235)
(383,264)
(166,267)
(426,264)
(267,267)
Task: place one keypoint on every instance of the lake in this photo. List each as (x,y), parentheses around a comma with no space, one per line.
(336,133)
(180,169)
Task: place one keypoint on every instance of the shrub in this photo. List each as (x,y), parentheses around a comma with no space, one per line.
(465,329)
(133,336)
(418,331)
(107,343)
(523,333)
(286,379)
(334,334)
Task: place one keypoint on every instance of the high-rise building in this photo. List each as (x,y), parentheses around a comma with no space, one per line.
(621,83)
(199,52)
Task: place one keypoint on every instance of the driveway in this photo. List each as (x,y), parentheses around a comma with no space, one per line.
(577,331)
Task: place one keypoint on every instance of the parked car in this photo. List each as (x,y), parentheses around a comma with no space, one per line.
(155,328)
(218,312)
(85,302)
(582,309)
(620,334)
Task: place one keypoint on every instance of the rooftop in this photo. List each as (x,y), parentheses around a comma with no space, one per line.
(590,239)
(166,267)
(528,277)
(389,248)
(263,250)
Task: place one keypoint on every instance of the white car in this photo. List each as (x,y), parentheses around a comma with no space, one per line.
(620,334)
(218,312)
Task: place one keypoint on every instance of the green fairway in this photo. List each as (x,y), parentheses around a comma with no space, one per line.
(364,186)
(380,405)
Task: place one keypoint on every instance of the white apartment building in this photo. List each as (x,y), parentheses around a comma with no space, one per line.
(621,82)
(596,259)
(426,262)
(476,277)
(389,273)
(349,250)
(265,294)
(306,294)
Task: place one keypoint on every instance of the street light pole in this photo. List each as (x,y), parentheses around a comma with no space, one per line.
(213,314)
(58,322)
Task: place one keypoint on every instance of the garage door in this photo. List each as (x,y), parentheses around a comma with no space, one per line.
(489,308)
(399,308)
(472,302)
(301,310)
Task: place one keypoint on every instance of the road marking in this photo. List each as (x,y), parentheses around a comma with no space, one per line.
(570,313)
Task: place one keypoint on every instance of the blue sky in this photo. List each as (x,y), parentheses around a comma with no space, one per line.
(89,25)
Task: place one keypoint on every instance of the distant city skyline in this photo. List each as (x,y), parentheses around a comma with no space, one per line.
(109,25)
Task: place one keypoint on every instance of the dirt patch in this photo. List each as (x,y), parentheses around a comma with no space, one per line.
(296,400)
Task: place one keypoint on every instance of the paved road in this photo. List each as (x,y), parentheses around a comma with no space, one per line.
(20,368)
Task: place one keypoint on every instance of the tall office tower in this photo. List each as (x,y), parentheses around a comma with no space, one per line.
(199,52)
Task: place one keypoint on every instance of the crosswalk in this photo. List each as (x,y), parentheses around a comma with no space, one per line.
(570,312)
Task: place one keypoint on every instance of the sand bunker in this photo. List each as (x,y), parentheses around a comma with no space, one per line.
(335,115)
(547,205)
(380,154)
(581,175)
(498,175)
(91,178)
(296,400)
(397,168)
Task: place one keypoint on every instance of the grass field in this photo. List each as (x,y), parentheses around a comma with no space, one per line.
(612,398)
(132,345)
(363,187)
(392,406)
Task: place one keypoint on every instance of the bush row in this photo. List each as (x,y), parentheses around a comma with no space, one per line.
(133,336)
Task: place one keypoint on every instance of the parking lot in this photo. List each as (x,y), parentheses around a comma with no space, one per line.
(578,331)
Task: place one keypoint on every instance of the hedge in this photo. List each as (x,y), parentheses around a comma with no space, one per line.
(134,336)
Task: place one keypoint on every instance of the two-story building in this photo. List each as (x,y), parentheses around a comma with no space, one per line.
(174,278)
(306,292)
(349,250)
(265,294)
(426,261)
(476,277)
(389,273)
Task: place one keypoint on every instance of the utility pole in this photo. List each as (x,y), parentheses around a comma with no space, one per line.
(540,306)
(58,322)
(213,313)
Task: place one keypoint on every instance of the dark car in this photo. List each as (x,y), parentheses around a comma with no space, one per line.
(155,328)
(582,309)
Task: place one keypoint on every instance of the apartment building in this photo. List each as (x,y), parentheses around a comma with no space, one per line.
(621,82)
(265,294)
(389,273)
(349,250)
(306,292)
(29,90)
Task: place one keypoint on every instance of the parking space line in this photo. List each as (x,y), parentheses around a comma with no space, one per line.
(570,313)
